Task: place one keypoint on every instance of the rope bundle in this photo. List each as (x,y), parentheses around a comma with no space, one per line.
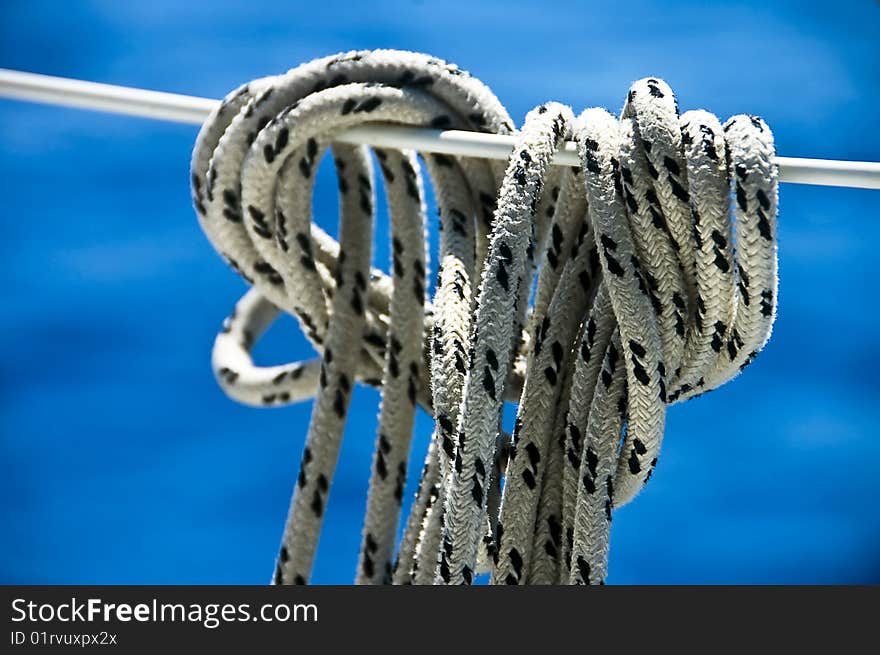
(638,300)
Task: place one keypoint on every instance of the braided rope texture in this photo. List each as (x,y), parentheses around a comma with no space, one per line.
(592,297)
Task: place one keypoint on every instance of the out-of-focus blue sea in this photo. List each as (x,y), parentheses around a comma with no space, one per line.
(122,462)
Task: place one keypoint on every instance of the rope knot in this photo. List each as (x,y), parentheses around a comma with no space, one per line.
(593,296)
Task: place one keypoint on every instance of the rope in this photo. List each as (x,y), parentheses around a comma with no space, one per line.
(593,297)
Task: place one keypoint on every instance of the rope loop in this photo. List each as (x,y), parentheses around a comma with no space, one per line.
(592,296)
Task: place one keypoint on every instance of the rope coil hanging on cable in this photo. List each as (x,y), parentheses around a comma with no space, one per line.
(640,299)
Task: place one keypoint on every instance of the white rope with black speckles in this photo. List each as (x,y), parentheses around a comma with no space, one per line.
(640,300)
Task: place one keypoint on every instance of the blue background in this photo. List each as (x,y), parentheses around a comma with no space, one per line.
(121,461)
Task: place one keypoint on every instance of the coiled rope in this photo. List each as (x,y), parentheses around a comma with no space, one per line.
(639,299)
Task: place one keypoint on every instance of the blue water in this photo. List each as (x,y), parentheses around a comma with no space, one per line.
(121,461)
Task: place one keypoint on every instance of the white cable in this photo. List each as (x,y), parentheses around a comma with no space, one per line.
(194,110)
